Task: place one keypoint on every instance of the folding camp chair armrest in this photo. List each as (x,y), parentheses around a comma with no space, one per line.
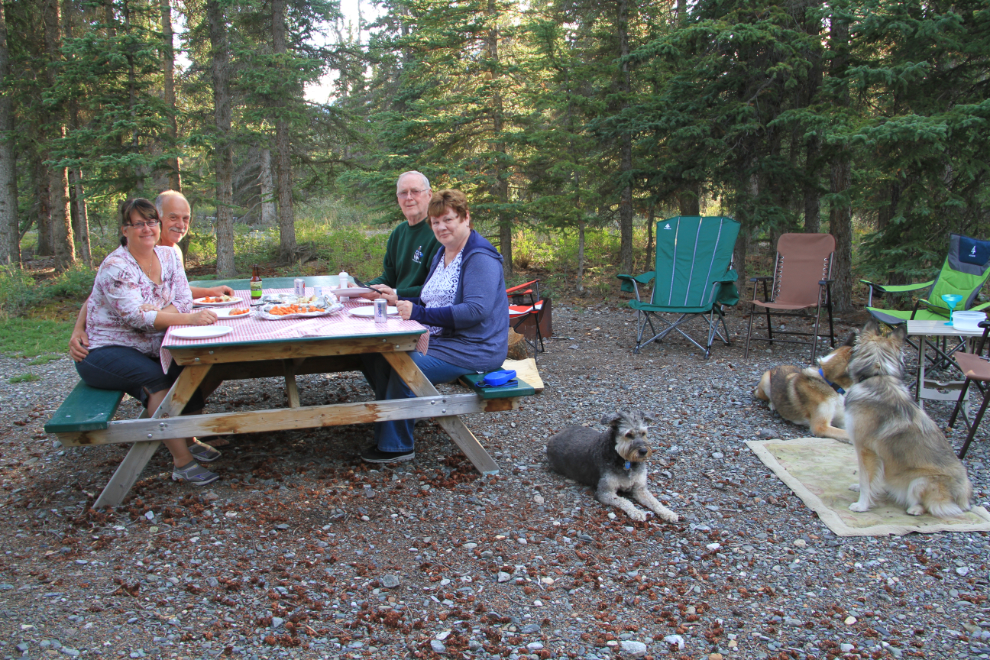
(764,278)
(892,288)
(630,283)
(979,308)
(825,282)
(512,290)
(938,309)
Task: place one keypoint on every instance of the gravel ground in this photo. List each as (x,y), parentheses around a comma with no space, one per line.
(301,551)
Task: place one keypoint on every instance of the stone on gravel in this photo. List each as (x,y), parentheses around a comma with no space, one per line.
(390,581)
(675,639)
(437,646)
(277,621)
(503,576)
(632,649)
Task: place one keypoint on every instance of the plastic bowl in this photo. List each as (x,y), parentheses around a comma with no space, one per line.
(968,320)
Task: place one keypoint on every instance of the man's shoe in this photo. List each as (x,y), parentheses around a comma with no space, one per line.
(203,453)
(375,455)
(194,474)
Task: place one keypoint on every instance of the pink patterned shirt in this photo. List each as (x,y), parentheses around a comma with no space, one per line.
(113,315)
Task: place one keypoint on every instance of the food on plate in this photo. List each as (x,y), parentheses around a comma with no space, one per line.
(283,310)
(216,299)
(238,312)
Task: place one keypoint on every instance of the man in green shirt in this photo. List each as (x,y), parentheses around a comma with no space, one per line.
(412,245)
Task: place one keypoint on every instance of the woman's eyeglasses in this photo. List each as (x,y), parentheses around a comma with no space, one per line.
(150,224)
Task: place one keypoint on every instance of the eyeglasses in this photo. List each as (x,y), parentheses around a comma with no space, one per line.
(414,192)
(150,224)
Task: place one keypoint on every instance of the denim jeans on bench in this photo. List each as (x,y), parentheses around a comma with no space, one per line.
(130,370)
(398,435)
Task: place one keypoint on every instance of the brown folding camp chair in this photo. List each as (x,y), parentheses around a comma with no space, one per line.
(977,371)
(801,280)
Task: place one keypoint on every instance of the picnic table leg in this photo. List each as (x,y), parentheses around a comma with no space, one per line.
(291,388)
(140,453)
(452,424)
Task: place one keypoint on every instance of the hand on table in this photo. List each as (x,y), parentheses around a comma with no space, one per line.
(405,309)
(148,307)
(386,292)
(202,317)
(221,291)
(79,345)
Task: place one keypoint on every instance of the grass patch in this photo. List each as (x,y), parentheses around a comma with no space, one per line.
(45,359)
(23,378)
(29,338)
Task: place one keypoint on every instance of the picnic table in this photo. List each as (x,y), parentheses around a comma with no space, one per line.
(258,348)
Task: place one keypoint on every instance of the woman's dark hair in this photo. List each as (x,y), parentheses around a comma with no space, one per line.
(143,207)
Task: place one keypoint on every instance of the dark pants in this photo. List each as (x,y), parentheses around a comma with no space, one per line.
(130,370)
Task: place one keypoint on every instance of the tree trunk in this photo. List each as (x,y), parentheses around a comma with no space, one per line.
(10,253)
(840,215)
(43,204)
(580,255)
(80,217)
(168,66)
(223,149)
(649,236)
(500,182)
(62,240)
(625,148)
(77,199)
(267,189)
(812,195)
(689,199)
(283,156)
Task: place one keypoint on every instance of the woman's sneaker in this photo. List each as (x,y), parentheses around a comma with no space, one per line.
(195,474)
(204,453)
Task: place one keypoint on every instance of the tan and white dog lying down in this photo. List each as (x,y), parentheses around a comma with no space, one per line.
(812,396)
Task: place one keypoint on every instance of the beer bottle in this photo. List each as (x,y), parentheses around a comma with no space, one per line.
(255,284)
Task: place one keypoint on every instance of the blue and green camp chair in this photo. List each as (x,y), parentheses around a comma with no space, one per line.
(964,272)
(693,278)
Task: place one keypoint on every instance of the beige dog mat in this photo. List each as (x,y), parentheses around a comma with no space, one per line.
(820,471)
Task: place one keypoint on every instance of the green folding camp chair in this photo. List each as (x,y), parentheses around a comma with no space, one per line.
(964,272)
(694,278)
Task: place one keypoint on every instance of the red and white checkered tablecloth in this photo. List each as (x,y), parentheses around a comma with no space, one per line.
(255,329)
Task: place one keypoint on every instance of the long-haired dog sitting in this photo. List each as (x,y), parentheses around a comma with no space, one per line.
(609,461)
(811,396)
(899,448)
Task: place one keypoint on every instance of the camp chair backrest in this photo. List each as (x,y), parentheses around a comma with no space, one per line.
(965,270)
(692,252)
(802,261)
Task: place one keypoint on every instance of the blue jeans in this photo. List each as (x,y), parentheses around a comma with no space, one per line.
(398,435)
(130,370)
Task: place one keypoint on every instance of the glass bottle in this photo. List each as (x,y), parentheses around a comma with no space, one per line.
(255,284)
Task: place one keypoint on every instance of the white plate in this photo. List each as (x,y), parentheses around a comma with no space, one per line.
(350,291)
(201,331)
(362,301)
(199,302)
(369,312)
(226,314)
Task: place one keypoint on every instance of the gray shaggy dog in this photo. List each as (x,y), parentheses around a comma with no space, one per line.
(610,461)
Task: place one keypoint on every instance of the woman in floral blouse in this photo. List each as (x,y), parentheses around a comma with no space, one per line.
(140,290)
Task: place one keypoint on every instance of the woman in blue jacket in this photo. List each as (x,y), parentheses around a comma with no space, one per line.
(464,306)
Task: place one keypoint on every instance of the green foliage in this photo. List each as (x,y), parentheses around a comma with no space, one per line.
(23,378)
(20,337)
(76,283)
(17,291)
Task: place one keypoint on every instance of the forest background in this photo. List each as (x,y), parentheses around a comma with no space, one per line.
(570,124)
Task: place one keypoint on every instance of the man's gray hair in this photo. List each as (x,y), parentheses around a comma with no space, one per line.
(426,182)
(165,194)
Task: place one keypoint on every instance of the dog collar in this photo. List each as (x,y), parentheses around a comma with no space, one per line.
(831,384)
(627,466)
